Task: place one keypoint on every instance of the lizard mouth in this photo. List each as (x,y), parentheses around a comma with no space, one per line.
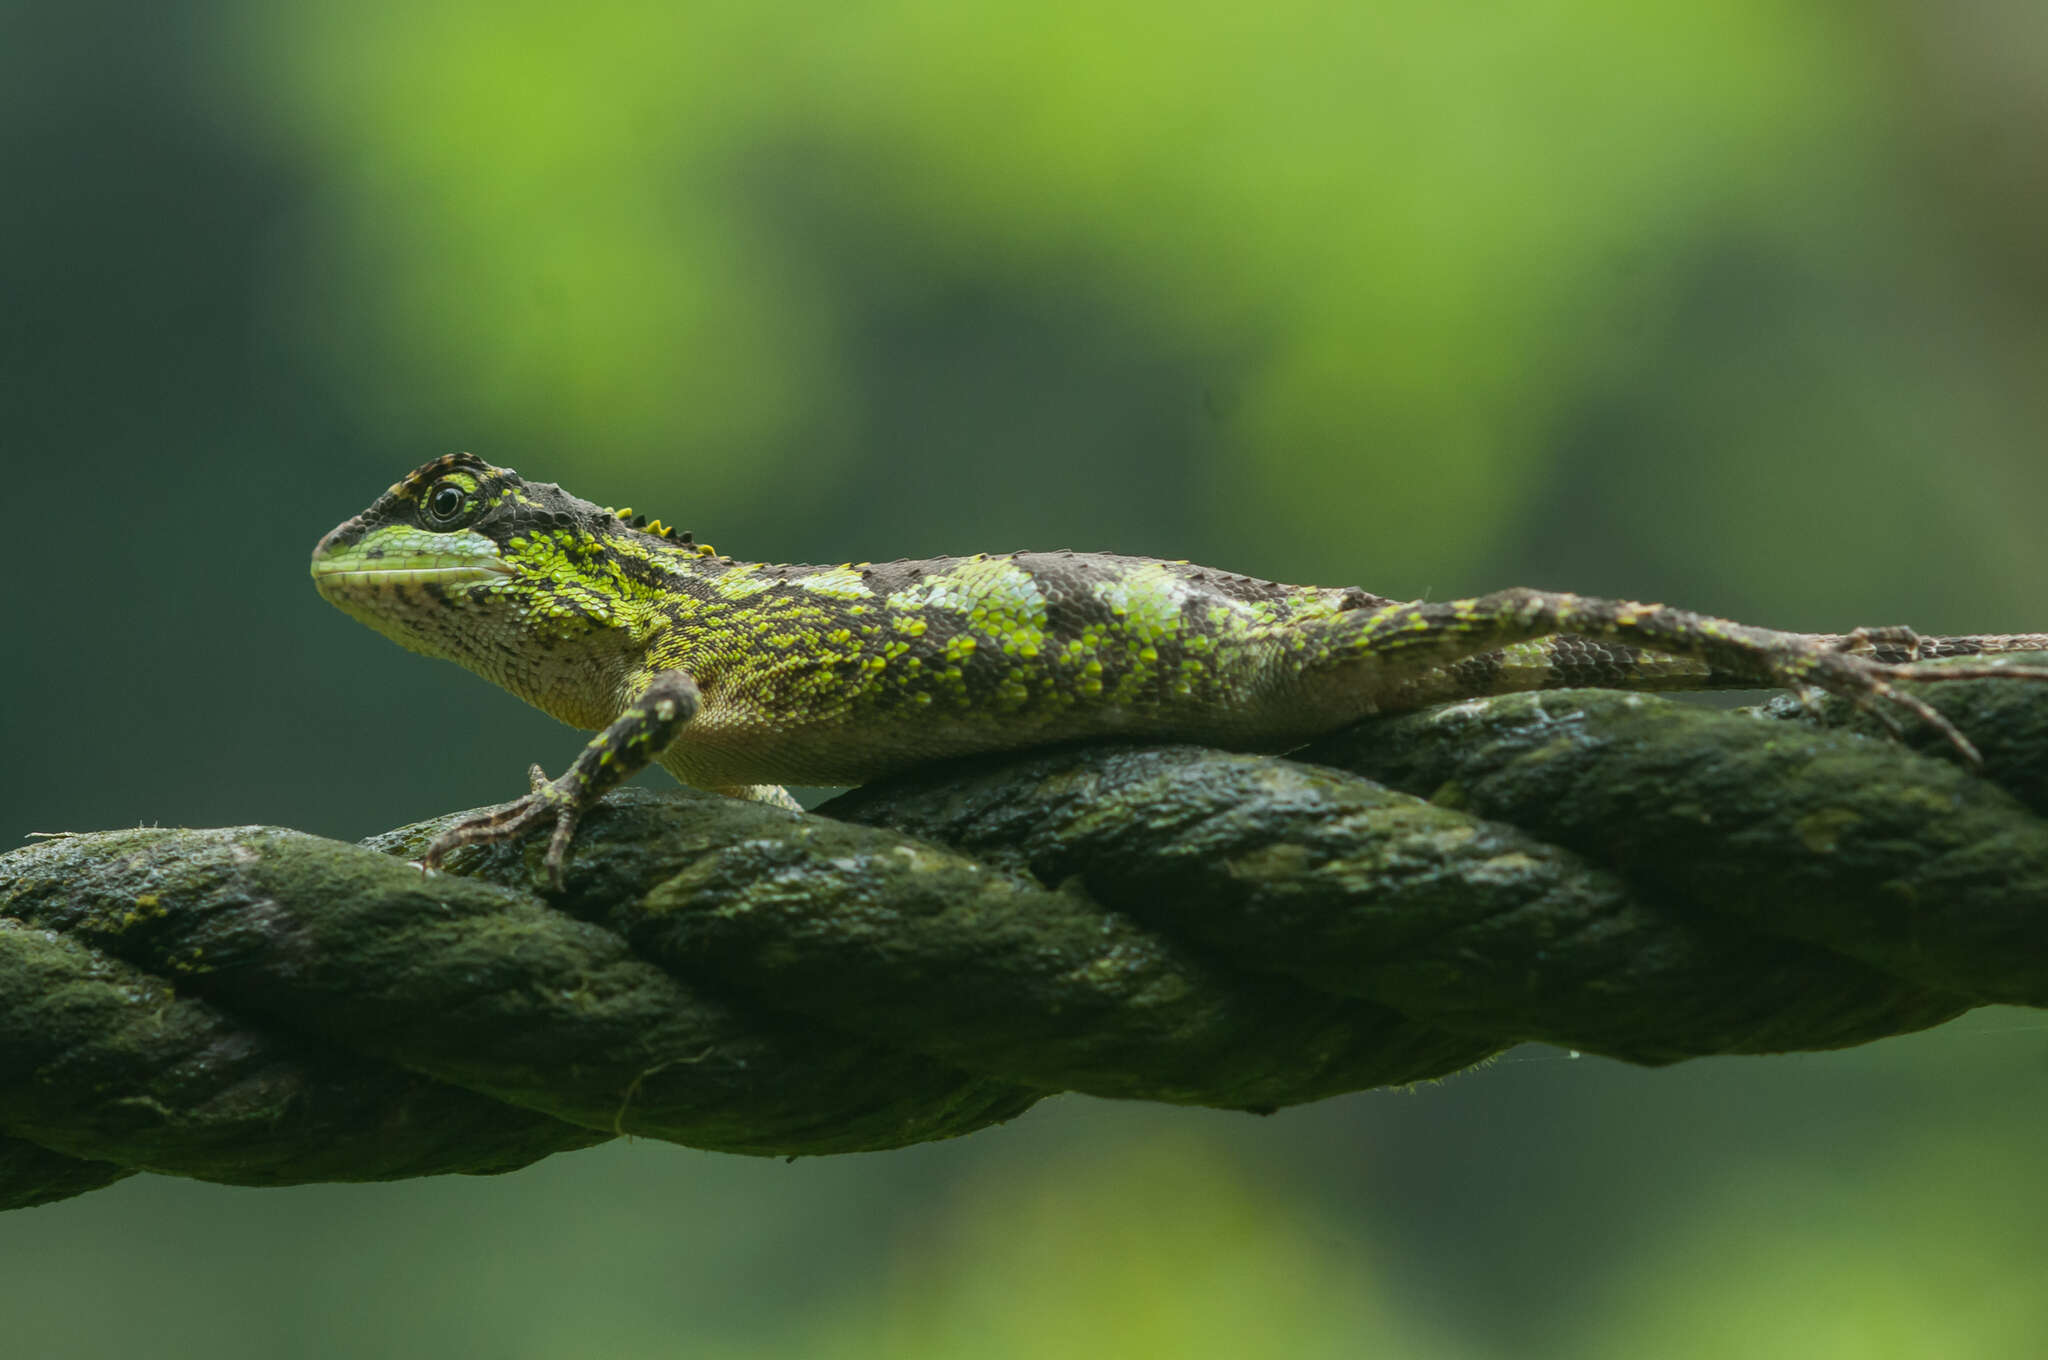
(407,573)
(399,557)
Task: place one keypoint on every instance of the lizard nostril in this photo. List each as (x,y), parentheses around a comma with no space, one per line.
(340,536)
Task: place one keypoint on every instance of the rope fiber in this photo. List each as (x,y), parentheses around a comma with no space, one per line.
(1613,873)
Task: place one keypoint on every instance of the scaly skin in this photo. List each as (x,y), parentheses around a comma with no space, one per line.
(741,676)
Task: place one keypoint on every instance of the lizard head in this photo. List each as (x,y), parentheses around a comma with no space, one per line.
(529,586)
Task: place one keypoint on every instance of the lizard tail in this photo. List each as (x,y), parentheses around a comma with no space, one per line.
(1567,661)
(1896,646)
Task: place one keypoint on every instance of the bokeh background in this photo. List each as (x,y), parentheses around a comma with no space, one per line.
(1738,305)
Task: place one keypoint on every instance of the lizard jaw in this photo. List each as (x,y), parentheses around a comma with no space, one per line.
(413,586)
(419,572)
(399,557)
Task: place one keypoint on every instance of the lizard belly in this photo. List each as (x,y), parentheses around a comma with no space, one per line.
(729,745)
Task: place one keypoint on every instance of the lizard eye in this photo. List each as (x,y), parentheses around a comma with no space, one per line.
(444,505)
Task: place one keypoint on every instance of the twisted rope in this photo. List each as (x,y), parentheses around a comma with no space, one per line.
(1617,874)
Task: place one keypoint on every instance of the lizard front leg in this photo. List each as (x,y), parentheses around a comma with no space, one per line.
(633,741)
(1396,645)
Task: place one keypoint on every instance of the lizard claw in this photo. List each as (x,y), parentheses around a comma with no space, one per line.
(1874,700)
(512,821)
(634,738)
(1867,684)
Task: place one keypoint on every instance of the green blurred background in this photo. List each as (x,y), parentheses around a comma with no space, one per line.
(1737,305)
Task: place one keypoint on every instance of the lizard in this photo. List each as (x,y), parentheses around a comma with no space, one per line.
(742,676)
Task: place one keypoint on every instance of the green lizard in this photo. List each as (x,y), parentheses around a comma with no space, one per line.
(742,676)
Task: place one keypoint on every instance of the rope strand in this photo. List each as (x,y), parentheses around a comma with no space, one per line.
(1611,873)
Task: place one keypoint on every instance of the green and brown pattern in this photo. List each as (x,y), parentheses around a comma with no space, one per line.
(768,674)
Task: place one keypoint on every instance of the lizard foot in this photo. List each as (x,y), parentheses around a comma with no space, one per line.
(635,737)
(1894,637)
(1868,685)
(551,800)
